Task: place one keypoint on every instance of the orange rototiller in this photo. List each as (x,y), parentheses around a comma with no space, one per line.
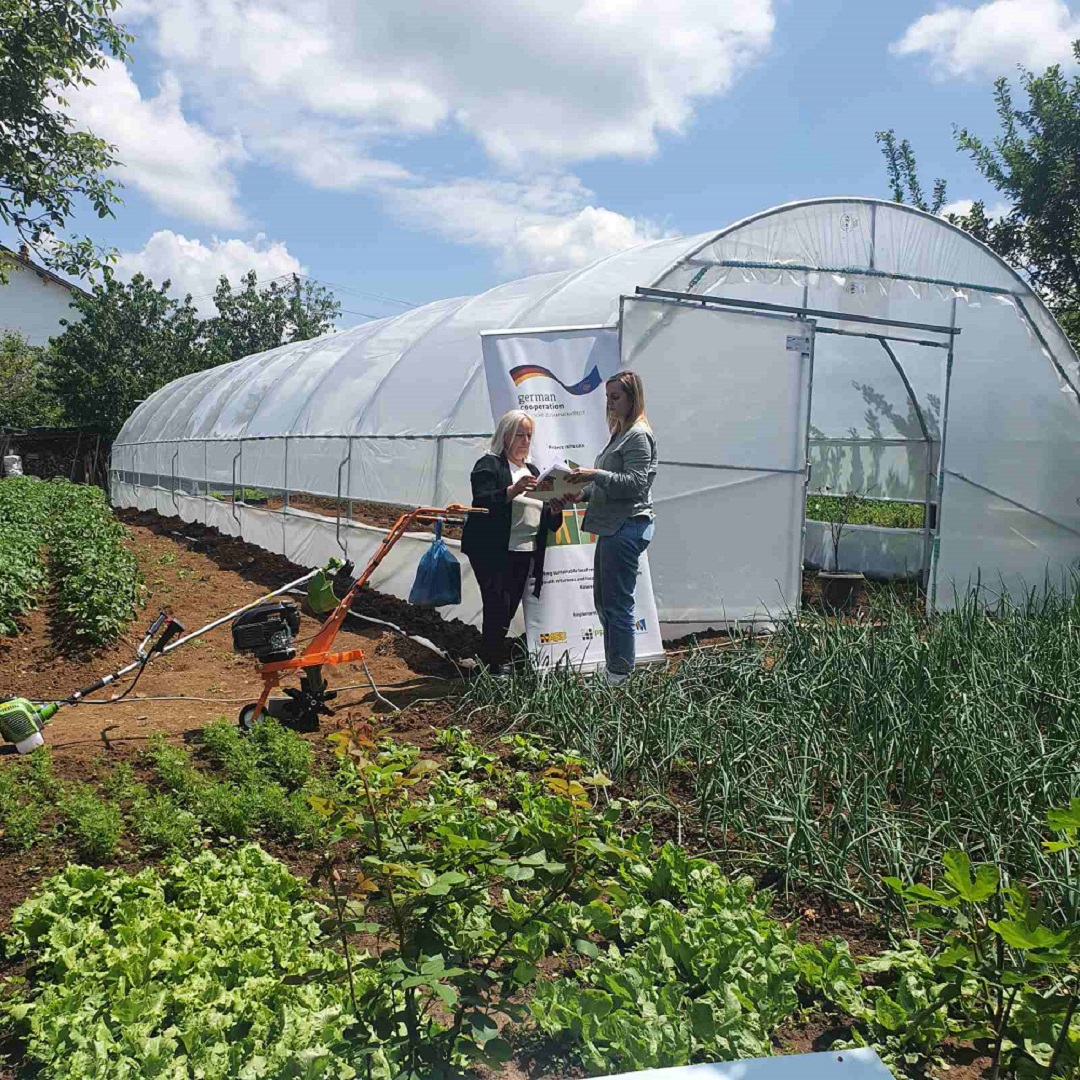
(268,632)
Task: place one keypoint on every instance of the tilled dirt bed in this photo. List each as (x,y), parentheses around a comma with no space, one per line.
(198,575)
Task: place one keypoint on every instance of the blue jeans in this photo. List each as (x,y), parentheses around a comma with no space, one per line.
(615,569)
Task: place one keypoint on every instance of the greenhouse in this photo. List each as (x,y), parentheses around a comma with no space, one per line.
(837,345)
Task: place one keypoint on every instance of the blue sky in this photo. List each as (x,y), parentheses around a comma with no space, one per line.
(421,150)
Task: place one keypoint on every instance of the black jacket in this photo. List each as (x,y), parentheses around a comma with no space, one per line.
(487,536)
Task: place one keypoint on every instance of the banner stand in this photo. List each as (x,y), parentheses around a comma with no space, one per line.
(557,376)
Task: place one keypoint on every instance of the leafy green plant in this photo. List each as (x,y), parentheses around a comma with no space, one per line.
(692,970)
(223,932)
(249,800)
(99,586)
(65,532)
(163,825)
(21,811)
(1015,965)
(22,537)
(423,879)
(857,510)
(93,824)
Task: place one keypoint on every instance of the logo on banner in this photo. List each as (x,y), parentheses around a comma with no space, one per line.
(570,531)
(535,371)
(553,638)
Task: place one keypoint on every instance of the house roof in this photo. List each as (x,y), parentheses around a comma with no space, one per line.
(6,254)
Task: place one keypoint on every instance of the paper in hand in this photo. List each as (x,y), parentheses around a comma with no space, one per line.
(553,482)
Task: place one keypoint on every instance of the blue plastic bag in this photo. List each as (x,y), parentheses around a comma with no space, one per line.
(438,577)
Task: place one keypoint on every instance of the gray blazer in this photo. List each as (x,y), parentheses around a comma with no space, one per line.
(623,489)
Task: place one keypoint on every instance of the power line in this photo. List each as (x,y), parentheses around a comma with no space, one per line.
(359,292)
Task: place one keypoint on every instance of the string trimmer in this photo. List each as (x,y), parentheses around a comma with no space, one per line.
(266,629)
(21,720)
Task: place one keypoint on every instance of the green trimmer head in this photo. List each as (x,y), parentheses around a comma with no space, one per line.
(21,722)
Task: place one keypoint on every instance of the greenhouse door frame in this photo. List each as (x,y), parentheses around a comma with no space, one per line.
(780,451)
(934,484)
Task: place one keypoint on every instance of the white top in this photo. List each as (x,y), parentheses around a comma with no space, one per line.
(524,515)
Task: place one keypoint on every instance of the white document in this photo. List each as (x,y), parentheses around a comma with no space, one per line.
(554,482)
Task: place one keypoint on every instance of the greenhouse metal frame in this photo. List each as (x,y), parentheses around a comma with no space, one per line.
(922,339)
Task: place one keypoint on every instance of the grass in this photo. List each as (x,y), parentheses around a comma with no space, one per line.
(845,752)
(882,512)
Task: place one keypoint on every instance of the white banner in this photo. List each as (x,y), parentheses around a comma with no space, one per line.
(557,377)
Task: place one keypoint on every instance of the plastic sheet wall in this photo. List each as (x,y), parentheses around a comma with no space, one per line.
(410,394)
(309,540)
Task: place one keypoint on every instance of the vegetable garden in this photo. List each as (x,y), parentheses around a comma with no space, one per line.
(855,832)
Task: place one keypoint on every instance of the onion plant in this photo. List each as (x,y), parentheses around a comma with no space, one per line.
(838,753)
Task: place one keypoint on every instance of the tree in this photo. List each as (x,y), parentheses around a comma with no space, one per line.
(26,400)
(251,319)
(1035,164)
(47,48)
(134,338)
(131,340)
(903,173)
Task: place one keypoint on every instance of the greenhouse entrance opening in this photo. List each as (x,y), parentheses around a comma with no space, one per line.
(731,387)
(730,390)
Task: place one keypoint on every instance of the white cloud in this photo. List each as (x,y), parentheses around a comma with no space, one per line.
(194,267)
(962,207)
(183,168)
(324,87)
(545,224)
(319,155)
(991,38)
(548,80)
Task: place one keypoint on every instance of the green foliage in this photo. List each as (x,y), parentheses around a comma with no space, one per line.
(860,511)
(247,495)
(96,580)
(265,789)
(47,163)
(476,907)
(423,871)
(1032,164)
(691,969)
(163,825)
(22,811)
(990,965)
(253,319)
(22,563)
(845,752)
(98,583)
(93,824)
(177,973)
(903,173)
(133,338)
(271,750)
(26,401)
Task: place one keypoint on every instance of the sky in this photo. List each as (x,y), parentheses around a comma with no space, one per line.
(408,151)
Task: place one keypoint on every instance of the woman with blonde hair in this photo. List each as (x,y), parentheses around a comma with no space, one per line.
(508,542)
(620,514)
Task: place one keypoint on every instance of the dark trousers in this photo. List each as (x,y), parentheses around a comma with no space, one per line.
(501,589)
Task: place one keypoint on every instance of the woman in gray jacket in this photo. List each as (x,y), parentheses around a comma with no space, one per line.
(620,514)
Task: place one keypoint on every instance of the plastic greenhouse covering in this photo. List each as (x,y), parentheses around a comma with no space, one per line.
(938,378)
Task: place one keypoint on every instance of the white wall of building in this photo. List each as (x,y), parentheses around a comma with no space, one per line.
(34,305)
